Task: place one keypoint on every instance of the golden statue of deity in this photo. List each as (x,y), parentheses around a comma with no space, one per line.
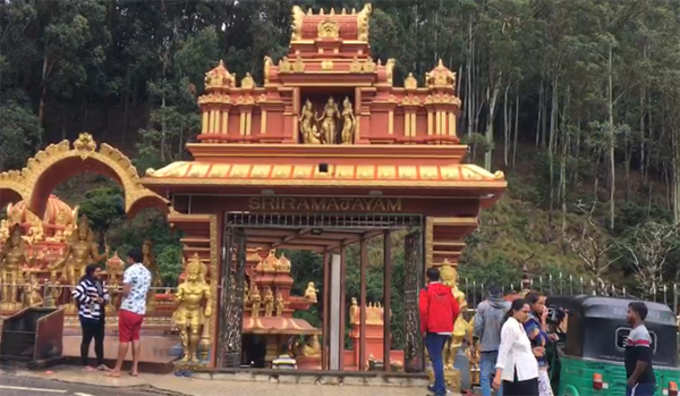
(312,348)
(32,295)
(81,251)
(310,292)
(193,309)
(268,301)
(348,123)
(329,118)
(461,327)
(255,299)
(308,128)
(279,304)
(150,264)
(12,258)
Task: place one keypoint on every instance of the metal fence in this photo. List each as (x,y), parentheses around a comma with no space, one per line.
(560,285)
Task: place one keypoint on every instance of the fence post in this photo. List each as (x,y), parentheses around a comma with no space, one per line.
(582,290)
(665,294)
(675,298)
(561,285)
(571,285)
(474,293)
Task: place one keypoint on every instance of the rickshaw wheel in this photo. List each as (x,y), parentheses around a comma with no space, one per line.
(570,390)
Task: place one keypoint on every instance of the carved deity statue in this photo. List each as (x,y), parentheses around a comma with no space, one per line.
(32,295)
(279,304)
(310,292)
(255,299)
(194,307)
(308,129)
(461,327)
(268,301)
(348,122)
(12,258)
(150,264)
(329,118)
(81,251)
(312,348)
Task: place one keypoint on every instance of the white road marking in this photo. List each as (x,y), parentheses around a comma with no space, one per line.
(82,394)
(33,389)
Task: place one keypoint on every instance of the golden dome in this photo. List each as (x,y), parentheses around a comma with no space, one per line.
(440,77)
(219,78)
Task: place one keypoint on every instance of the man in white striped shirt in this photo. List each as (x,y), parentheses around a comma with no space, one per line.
(91,296)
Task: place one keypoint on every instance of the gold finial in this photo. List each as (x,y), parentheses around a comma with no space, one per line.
(322,12)
(343,11)
(441,63)
(310,12)
(247,82)
(410,82)
(332,11)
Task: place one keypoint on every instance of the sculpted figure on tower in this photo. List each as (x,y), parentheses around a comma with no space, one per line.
(328,119)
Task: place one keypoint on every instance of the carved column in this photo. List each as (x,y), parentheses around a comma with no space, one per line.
(231,312)
(413,270)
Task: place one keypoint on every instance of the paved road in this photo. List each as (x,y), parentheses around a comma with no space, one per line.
(11,385)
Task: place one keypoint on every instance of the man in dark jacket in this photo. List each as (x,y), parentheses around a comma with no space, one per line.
(488,321)
(438,311)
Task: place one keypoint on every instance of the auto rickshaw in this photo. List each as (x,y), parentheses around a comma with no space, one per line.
(591,353)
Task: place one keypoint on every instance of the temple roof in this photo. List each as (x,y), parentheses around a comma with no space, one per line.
(455,175)
(278,325)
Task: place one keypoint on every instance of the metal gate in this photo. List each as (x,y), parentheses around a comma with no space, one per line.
(234,258)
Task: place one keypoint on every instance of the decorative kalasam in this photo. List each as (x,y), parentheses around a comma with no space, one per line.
(12,258)
(194,307)
(81,251)
(348,122)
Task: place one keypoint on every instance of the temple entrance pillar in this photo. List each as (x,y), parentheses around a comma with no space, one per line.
(231,305)
(336,334)
(413,272)
(387,298)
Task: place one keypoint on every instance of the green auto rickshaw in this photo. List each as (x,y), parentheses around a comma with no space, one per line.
(591,352)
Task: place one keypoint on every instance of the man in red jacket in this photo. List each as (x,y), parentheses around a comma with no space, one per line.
(438,311)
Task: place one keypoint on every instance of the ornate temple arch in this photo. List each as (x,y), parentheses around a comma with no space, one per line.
(57,162)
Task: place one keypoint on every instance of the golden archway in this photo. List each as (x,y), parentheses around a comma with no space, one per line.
(58,162)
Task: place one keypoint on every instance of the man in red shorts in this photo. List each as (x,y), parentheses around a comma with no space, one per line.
(136,282)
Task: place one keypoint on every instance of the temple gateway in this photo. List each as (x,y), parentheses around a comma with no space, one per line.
(328,152)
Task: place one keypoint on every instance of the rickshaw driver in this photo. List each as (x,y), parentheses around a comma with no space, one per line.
(638,353)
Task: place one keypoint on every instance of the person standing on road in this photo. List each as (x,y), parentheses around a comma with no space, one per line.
(136,283)
(536,329)
(438,311)
(638,354)
(516,366)
(488,321)
(91,296)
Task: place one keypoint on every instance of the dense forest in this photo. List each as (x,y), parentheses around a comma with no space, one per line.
(576,100)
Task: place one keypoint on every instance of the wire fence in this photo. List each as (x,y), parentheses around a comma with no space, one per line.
(560,285)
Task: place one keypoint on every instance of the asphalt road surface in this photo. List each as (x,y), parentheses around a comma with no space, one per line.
(12,385)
